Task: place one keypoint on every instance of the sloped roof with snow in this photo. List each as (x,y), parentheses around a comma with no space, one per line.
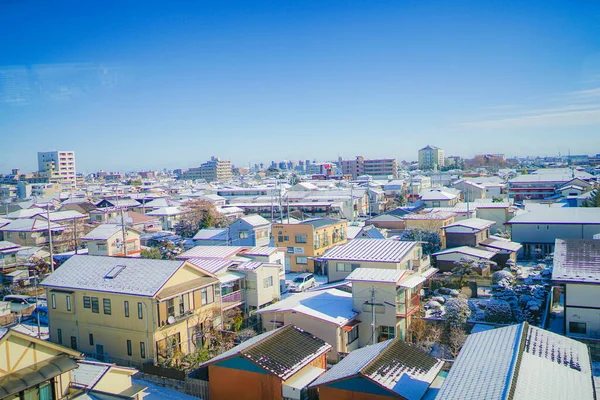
(376,275)
(376,250)
(211,234)
(30,225)
(211,252)
(558,215)
(469,251)
(255,220)
(576,260)
(472,223)
(102,232)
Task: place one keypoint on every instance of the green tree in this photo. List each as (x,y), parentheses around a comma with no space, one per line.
(151,253)
(166,250)
(594,199)
(432,242)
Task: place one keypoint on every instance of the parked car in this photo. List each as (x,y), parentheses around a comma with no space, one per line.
(302,282)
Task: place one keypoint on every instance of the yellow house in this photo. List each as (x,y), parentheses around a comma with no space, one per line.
(307,239)
(131,311)
(107,240)
(34,369)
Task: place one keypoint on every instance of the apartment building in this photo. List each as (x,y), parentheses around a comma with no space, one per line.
(431,157)
(214,170)
(131,311)
(374,167)
(308,239)
(58,166)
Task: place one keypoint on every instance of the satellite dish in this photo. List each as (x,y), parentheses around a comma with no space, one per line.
(171,320)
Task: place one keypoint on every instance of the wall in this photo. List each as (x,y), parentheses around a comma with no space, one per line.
(230,383)
(331,393)
(548,233)
(266,295)
(384,293)
(335,275)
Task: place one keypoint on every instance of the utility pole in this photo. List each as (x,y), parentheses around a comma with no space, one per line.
(123,234)
(50,237)
(372,314)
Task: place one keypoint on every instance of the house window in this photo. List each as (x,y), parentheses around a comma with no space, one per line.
(22,235)
(243,234)
(352,334)
(53,297)
(129,350)
(268,282)
(140,311)
(387,332)
(280,238)
(87,303)
(300,238)
(170,308)
(578,327)
(106,306)
(250,285)
(59,336)
(9,235)
(73,342)
(290,250)
(91,339)
(126,306)
(301,260)
(142,349)
(95,305)
(346,267)
(68,303)
(435,204)
(207,295)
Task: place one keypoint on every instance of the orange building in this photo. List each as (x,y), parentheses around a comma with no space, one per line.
(275,365)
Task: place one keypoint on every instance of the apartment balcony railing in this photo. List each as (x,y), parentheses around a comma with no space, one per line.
(233,297)
(403,309)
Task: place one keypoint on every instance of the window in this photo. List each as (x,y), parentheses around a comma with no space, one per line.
(73,342)
(207,295)
(300,238)
(68,303)
(250,285)
(95,305)
(126,306)
(280,238)
(301,260)
(140,311)
(59,336)
(106,306)
(142,349)
(387,332)
(22,235)
(435,204)
(243,234)
(352,334)
(91,339)
(346,267)
(578,327)
(129,351)
(171,308)
(290,250)
(268,282)
(9,235)
(53,298)
(87,302)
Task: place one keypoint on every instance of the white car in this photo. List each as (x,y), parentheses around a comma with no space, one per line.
(302,282)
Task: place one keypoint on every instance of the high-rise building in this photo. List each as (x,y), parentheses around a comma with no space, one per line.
(374,167)
(431,157)
(58,166)
(214,170)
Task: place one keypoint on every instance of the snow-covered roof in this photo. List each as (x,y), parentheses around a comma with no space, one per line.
(375,250)
(437,195)
(105,232)
(529,362)
(263,251)
(30,225)
(210,265)
(211,234)
(138,277)
(332,305)
(559,215)
(166,211)
(576,260)
(376,275)
(255,220)
(495,242)
(211,252)
(472,223)
(469,251)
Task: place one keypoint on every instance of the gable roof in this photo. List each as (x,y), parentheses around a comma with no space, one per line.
(331,305)
(254,220)
(394,364)
(31,225)
(469,251)
(140,277)
(211,252)
(519,362)
(211,234)
(472,223)
(377,250)
(105,232)
(558,215)
(283,351)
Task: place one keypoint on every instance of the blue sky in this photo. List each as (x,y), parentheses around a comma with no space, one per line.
(147,84)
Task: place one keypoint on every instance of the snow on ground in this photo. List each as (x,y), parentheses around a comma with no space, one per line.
(30,328)
(557,318)
(155,392)
(289,276)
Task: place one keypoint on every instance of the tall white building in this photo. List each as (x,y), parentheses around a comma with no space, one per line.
(58,166)
(431,157)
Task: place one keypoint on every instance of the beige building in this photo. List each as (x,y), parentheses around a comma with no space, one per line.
(431,157)
(214,170)
(107,240)
(58,166)
(374,167)
(308,239)
(131,311)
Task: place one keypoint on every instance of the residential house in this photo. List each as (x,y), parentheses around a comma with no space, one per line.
(211,237)
(467,232)
(97,380)
(432,221)
(545,183)
(390,296)
(577,267)
(169,216)
(129,310)
(537,230)
(8,254)
(104,215)
(439,197)
(391,369)
(327,314)
(505,250)
(340,261)
(118,202)
(33,232)
(308,239)
(277,365)
(520,362)
(364,232)
(108,240)
(470,190)
(138,221)
(250,230)
(500,213)
(445,260)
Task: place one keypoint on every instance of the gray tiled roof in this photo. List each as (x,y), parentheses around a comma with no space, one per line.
(141,277)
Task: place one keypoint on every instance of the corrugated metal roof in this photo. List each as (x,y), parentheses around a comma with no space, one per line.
(211,265)
(88,374)
(31,225)
(555,215)
(466,250)
(102,232)
(473,223)
(376,250)
(211,233)
(261,251)
(376,275)
(211,252)
(577,260)
(141,277)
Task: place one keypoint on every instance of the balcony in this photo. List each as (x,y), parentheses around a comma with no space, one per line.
(232,299)
(402,311)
